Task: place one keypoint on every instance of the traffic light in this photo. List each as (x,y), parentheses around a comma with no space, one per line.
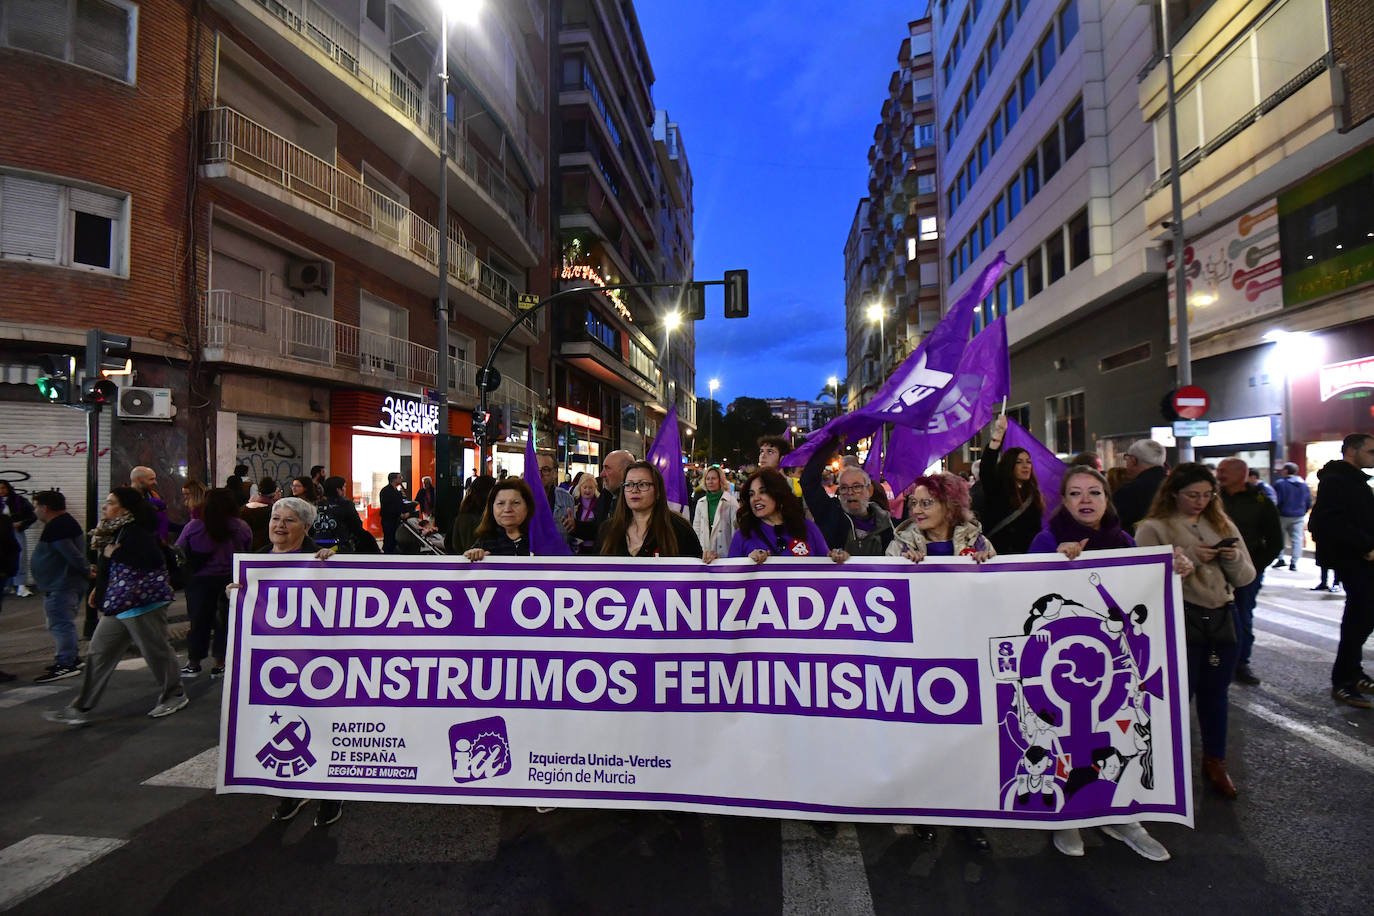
(498,426)
(106,354)
(57,378)
(694,301)
(737,294)
(479,425)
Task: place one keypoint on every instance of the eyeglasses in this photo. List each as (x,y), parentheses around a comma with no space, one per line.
(851,488)
(638,486)
(546,470)
(923,503)
(1204,497)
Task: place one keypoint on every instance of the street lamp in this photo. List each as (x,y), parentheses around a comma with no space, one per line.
(711,420)
(671,322)
(879,314)
(834,383)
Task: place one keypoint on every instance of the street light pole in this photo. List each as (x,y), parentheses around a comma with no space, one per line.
(1185,355)
(835,384)
(711,421)
(441,443)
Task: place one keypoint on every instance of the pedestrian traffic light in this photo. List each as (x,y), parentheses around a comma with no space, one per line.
(479,425)
(98,391)
(57,377)
(694,301)
(737,294)
(106,354)
(498,425)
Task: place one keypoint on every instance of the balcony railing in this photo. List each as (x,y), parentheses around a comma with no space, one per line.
(398,91)
(232,138)
(233,320)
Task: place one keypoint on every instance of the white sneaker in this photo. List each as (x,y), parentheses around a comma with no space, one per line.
(67,715)
(1069,841)
(22,591)
(166,709)
(1134,836)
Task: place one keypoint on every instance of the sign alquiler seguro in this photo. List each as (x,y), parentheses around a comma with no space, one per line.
(401,414)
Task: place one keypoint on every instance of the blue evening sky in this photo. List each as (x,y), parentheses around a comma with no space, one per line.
(777,101)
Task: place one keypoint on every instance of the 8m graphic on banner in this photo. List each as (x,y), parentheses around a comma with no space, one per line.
(1025,691)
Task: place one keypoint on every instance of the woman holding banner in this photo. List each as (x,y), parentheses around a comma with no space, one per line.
(940,522)
(772,520)
(1086,520)
(642,525)
(505,526)
(1187,513)
(1012,505)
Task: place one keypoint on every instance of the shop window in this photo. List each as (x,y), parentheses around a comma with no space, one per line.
(1064,417)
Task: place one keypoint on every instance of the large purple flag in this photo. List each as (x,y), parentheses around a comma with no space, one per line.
(873,461)
(910,396)
(982,378)
(545,538)
(666,455)
(1049,470)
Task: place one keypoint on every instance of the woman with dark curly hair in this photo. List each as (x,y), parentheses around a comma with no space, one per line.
(771,520)
(505,527)
(1013,508)
(642,524)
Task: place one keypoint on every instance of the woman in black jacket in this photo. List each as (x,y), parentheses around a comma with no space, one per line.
(337,523)
(21,516)
(505,527)
(132,592)
(1013,508)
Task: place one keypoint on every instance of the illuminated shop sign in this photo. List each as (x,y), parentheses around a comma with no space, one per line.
(1338,378)
(400,414)
(578,419)
(584,272)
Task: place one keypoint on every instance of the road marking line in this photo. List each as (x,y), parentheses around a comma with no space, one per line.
(1304,612)
(823,876)
(1328,739)
(24,694)
(1288,646)
(199,772)
(37,862)
(1302,624)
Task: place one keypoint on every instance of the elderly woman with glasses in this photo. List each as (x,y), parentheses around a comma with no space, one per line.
(1187,514)
(940,522)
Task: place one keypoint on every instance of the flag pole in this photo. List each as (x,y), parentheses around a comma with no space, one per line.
(1004,405)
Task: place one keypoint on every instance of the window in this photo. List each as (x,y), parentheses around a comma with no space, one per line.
(1035,280)
(977,245)
(1008,23)
(929,229)
(1013,200)
(1021,7)
(953,201)
(997,134)
(930,273)
(999,215)
(1027,84)
(910,248)
(1049,155)
(984,152)
(1011,111)
(1046,55)
(964,28)
(980,76)
(1054,254)
(70,227)
(1018,287)
(925,183)
(953,267)
(1068,23)
(1003,296)
(1079,249)
(1073,129)
(987,229)
(994,51)
(1064,416)
(93,34)
(376,12)
(925,135)
(923,89)
(1031,177)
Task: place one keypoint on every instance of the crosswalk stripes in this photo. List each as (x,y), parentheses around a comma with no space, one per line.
(40,861)
(823,876)
(199,772)
(19,695)
(1328,739)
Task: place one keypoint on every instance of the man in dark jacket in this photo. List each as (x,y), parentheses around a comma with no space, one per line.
(850,521)
(1258,520)
(1342,523)
(1294,499)
(394,507)
(61,572)
(1145,468)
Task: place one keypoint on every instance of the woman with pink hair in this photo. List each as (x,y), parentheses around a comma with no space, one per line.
(940,522)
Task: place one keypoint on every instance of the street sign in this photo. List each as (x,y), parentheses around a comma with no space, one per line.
(528,301)
(1191,402)
(1191,429)
(432,395)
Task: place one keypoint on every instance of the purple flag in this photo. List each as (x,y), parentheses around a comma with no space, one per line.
(873,462)
(1049,470)
(910,396)
(982,378)
(666,455)
(546,539)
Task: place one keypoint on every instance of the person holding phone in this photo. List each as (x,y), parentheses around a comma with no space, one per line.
(1187,513)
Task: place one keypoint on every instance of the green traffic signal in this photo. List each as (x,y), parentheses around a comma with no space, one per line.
(53,389)
(56,377)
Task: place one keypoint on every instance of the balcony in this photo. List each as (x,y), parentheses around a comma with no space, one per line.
(336,207)
(338,65)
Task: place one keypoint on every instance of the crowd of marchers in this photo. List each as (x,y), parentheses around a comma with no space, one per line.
(1225,525)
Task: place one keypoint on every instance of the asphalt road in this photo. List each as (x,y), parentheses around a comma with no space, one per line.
(119,818)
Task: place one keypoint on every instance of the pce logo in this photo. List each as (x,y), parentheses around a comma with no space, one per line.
(480,749)
(287,753)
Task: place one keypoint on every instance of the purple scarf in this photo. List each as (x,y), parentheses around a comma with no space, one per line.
(1065,527)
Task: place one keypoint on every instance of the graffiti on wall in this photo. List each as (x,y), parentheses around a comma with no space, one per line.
(274,452)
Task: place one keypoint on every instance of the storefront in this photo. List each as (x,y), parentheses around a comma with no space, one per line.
(1331,392)
(579,443)
(372,435)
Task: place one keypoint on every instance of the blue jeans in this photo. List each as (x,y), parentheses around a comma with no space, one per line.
(60,608)
(1210,684)
(1245,597)
(1292,533)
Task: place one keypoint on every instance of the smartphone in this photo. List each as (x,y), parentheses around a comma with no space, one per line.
(1225,542)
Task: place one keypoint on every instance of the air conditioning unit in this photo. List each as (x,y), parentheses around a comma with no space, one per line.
(145,403)
(305,276)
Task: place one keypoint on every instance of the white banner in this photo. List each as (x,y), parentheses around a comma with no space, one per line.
(1029,691)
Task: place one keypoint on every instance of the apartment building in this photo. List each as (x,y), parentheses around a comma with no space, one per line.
(892,253)
(624,205)
(800,416)
(1054,148)
(249,190)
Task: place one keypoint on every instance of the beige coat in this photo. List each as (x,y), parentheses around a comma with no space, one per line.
(1211,584)
(966,537)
